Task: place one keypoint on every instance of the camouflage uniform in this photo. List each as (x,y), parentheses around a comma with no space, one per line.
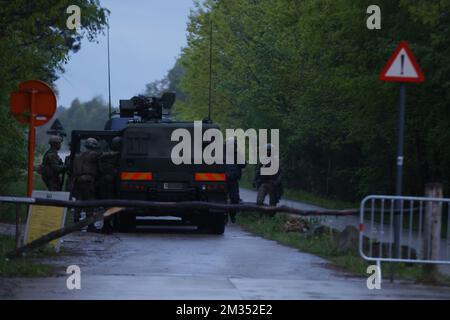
(52,166)
(268,185)
(108,168)
(85,173)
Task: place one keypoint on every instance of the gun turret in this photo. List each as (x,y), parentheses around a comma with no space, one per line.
(148,108)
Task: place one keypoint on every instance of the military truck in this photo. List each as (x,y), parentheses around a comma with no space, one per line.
(146,171)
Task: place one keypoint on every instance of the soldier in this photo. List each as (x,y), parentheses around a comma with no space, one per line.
(108,168)
(233,173)
(85,174)
(268,184)
(52,166)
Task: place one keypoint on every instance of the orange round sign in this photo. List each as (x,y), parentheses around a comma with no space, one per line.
(35,103)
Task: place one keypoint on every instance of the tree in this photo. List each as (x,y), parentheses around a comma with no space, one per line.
(34,44)
(170,83)
(90,115)
(310,68)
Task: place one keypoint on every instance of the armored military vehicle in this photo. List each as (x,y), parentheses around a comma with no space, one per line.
(146,170)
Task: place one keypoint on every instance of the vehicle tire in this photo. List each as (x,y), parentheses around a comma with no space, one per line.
(126,222)
(212,225)
(218,226)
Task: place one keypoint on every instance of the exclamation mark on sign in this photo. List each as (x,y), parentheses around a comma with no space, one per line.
(402,57)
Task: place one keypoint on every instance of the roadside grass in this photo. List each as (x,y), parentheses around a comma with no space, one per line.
(324,246)
(321,201)
(23,267)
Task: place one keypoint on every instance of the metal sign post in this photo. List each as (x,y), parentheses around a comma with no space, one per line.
(399,174)
(401,135)
(401,67)
(31,142)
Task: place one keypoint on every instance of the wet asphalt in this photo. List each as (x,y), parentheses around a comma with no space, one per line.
(182,264)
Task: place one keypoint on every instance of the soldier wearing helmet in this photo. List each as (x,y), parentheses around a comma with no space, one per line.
(52,166)
(86,173)
(268,184)
(233,172)
(91,144)
(108,170)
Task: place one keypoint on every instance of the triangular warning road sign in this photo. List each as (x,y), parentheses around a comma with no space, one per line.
(56,129)
(57,125)
(402,67)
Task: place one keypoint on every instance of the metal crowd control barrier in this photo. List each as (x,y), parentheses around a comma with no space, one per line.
(423,231)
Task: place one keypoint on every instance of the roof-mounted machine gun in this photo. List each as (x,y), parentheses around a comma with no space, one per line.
(147,108)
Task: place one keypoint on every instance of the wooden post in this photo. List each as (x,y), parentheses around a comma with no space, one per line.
(18,226)
(432,228)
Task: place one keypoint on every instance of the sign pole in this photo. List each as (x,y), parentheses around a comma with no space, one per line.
(31,144)
(399,176)
(401,135)
(402,67)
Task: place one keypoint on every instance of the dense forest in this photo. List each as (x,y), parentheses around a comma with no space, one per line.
(310,68)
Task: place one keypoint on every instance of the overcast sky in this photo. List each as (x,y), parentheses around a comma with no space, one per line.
(146,36)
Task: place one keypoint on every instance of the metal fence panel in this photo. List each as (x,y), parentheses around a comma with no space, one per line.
(420,218)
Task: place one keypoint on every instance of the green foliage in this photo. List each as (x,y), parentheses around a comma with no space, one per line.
(19,188)
(310,68)
(12,150)
(34,44)
(170,83)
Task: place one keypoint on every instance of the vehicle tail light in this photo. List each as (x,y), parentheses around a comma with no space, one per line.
(210,176)
(136,176)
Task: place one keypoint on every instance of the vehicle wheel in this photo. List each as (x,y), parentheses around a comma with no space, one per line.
(214,225)
(126,222)
(218,226)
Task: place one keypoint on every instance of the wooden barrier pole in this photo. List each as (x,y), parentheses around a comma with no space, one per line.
(195,205)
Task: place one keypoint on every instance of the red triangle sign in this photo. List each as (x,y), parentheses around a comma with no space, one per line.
(402,66)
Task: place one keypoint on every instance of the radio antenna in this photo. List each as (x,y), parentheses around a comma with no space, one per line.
(210,69)
(109,73)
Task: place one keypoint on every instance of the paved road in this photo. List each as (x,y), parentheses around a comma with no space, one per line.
(183,264)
